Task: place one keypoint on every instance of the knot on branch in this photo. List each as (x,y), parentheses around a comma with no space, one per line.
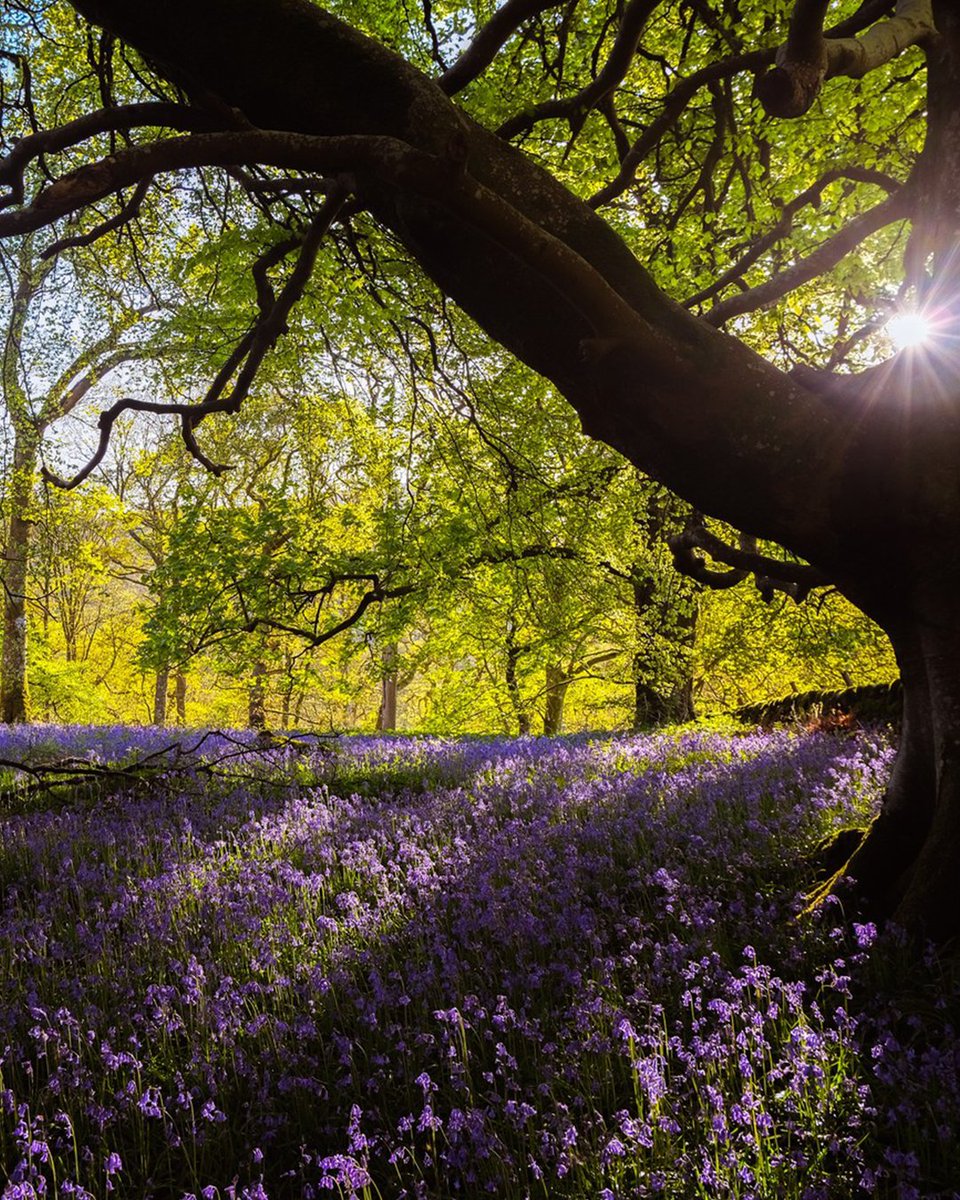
(790,88)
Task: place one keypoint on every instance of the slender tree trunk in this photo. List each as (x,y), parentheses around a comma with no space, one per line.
(160,697)
(513,684)
(288,692)
(13,666)
(257,701)
(557,682)
(387,717)
(180,697)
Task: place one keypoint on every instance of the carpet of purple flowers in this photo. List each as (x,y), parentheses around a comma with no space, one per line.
(422,968)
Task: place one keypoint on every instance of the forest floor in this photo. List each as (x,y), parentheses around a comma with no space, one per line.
(362,967)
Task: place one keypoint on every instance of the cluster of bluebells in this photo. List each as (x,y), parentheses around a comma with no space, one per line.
(399,968)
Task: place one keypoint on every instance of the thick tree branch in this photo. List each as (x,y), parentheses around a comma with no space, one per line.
(770,574)
(674,104)
(808,57)
(153,114)
(534,266)
(676,100)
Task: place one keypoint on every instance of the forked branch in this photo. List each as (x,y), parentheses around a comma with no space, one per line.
(809,57)
(489,41)
(771,575)
(575,108)
(245,360)
(782,229)
(826,256)
(151,114)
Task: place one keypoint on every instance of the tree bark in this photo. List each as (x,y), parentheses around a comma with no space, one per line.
(256,697)
(555,694)
(520,708)
(13,665)
(160,696)
(389,687)
(665,616)
(180,697)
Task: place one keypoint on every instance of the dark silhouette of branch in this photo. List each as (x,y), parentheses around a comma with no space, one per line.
(489,41)
(128,212)
(771,574)
(783,228)
(376,595)
(250,353)
(576,107)
(826,256)
(676,100)
(151,114)
(674,104)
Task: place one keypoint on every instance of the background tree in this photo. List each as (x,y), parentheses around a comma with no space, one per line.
(64,378)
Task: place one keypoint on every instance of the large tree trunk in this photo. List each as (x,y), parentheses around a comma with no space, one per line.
(908,864)
(13,666)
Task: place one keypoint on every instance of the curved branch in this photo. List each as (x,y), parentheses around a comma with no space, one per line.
(253,349)
(618,62)
(808,57)
(127,212)
(441,180)
(683,92)
(489,41)
(771,574)
(674,104)
(152,114)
